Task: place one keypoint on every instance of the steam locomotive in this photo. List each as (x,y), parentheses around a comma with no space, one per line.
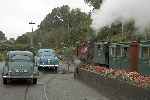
(116,55)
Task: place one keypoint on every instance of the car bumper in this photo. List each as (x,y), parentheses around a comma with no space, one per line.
(50,66)
(20,77)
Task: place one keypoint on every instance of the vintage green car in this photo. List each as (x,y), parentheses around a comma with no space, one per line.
(46,58)
(20,65)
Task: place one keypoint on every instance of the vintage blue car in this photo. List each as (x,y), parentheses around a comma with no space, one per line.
(20,65)
(46,58)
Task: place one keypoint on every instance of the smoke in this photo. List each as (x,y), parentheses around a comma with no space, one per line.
(123,10)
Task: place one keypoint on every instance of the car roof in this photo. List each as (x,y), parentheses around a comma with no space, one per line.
(20,53)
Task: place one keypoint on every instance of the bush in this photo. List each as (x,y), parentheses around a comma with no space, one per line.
(1,57)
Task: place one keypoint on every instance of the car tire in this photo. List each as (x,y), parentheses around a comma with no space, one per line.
(56,69)
(39,68)
(4,81)
(35,81)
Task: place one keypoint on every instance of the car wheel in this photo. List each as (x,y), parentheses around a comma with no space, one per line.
(35,81)
(52,69)
(39,68)
(4,81)
(56,69)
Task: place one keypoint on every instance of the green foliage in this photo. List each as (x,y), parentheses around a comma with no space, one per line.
(104,33)
(1,57)
(146,34)
(95,3)
(2,36)
(24,39)
(20,46)
(118,31)
(63,27)
(68,52)
(119,38)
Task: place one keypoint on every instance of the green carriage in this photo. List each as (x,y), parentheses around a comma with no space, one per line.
(119,55)
(144,58)
(101,54)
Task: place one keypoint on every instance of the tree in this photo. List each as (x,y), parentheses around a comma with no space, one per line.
(146,32)
(63,27)
(2,36)
(118,31)
(116,27)
(104,33)
(95,3)
(24,39)
(130,29)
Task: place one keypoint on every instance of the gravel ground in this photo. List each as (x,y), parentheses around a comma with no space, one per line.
(64,87)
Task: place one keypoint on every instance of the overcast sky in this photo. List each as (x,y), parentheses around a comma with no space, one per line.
(15,15)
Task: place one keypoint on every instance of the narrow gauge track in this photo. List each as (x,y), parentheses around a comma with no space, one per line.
(48,81)
(26,92)
(44,80)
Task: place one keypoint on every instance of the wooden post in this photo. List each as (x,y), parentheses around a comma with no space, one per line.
(134,56)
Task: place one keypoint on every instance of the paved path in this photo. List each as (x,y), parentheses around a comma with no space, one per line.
(50,86)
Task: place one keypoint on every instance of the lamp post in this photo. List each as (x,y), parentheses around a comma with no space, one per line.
(31,38)
(122,30)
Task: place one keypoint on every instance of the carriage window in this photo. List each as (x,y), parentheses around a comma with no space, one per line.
(146,52)
(99,47)
(118,52)
(113,52)
(125,52)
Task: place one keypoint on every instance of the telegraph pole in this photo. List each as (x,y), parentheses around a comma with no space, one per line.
(122,29)
(31,38)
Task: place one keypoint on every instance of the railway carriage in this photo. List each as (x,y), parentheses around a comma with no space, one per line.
(118,56)
(144,58)
(101,54)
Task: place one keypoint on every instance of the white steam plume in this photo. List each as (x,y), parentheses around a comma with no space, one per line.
(112,10)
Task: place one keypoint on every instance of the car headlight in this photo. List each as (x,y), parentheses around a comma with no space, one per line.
(25,70)
(9,72)
(60,63)
(55,58)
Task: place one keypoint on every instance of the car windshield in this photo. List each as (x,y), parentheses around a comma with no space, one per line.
(46,54)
